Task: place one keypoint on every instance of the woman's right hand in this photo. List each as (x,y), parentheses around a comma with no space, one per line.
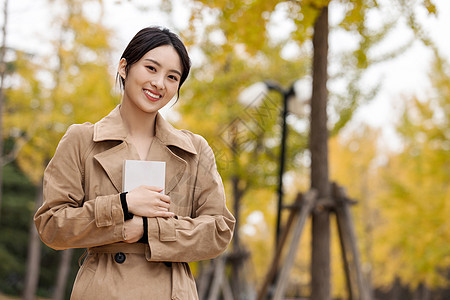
(147,201)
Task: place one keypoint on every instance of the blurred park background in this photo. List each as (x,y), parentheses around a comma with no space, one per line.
(388,107)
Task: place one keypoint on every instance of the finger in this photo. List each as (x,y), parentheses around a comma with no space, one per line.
(155,188)
(165,198)
(161,208)
(163,204)
(165,214)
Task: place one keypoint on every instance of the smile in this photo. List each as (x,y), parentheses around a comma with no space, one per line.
(150,94)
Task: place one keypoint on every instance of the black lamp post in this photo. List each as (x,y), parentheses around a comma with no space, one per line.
(287,94)
(253,96)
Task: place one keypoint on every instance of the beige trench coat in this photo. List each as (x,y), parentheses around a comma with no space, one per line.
(82,209)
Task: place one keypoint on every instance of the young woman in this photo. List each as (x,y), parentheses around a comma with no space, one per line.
(138,242)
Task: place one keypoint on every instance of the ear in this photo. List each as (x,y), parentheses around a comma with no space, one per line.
(122,68)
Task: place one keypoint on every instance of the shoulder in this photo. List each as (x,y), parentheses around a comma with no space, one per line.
(198,141)
(81,130)
(79,134)
(72,147)
(181,138)
(205,151)
(77,139)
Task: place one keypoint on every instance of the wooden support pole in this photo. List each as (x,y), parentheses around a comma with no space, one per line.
(219,286)
(205,278)
(219,273)
(356,284)
(305,212)
(271,274)
(281,242)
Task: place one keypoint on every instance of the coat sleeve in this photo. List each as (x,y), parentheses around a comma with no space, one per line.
(66,219)
(208,233)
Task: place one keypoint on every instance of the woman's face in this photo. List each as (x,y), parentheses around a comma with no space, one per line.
(153,80)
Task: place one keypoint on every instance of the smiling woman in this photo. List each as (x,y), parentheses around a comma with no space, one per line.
(139,242)
(150,83)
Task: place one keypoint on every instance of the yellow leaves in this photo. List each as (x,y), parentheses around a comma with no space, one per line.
(353,157)
(353,165)
(244,23)
(430,6)
(408,200)
(402,212)
(245,141)
(413,237)
(78,88)
(258,219)
(414,197)
(91,37)
(304,20)
(354,15)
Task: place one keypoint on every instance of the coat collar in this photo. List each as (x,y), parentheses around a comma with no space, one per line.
(112,127)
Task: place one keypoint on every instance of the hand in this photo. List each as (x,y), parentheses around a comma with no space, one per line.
(133,229)
(147,201)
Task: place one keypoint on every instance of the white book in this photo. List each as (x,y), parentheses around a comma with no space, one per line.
(141,172)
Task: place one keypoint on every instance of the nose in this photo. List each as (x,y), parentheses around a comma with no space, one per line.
(158,82)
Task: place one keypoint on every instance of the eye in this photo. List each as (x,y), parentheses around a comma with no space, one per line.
(173,77)
(151,68)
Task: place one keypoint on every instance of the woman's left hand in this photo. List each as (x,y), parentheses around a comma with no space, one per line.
(133,229)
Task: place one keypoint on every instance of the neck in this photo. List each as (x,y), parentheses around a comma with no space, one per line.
(138,123)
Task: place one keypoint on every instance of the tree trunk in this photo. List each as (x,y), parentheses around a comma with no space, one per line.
(320,259)
(2,93)
(34,255)
(422,292)
(63,274)
(237,261)
(396,291)
(237,283)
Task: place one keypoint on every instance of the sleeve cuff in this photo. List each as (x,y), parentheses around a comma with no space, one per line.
(126,214)
(144,238)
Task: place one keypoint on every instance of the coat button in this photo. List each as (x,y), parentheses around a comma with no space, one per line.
(119,257)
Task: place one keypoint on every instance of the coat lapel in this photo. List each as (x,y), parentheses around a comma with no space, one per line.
(111,129)
(166,135)
(175,165)
(111,161)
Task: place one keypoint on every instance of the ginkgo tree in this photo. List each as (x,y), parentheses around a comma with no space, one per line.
(77,87)
(414,200)
(244,137)
(354,164)
(73,84)
(246,24)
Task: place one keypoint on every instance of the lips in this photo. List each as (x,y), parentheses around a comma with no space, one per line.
(152,95)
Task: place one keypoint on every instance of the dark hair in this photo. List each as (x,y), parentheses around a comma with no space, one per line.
(149,38)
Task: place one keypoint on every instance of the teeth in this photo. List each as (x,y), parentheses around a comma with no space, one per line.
(151,94)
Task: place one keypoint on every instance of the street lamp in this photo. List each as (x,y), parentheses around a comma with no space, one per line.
(301,90)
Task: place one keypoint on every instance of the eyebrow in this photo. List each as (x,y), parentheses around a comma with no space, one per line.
(159,65)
